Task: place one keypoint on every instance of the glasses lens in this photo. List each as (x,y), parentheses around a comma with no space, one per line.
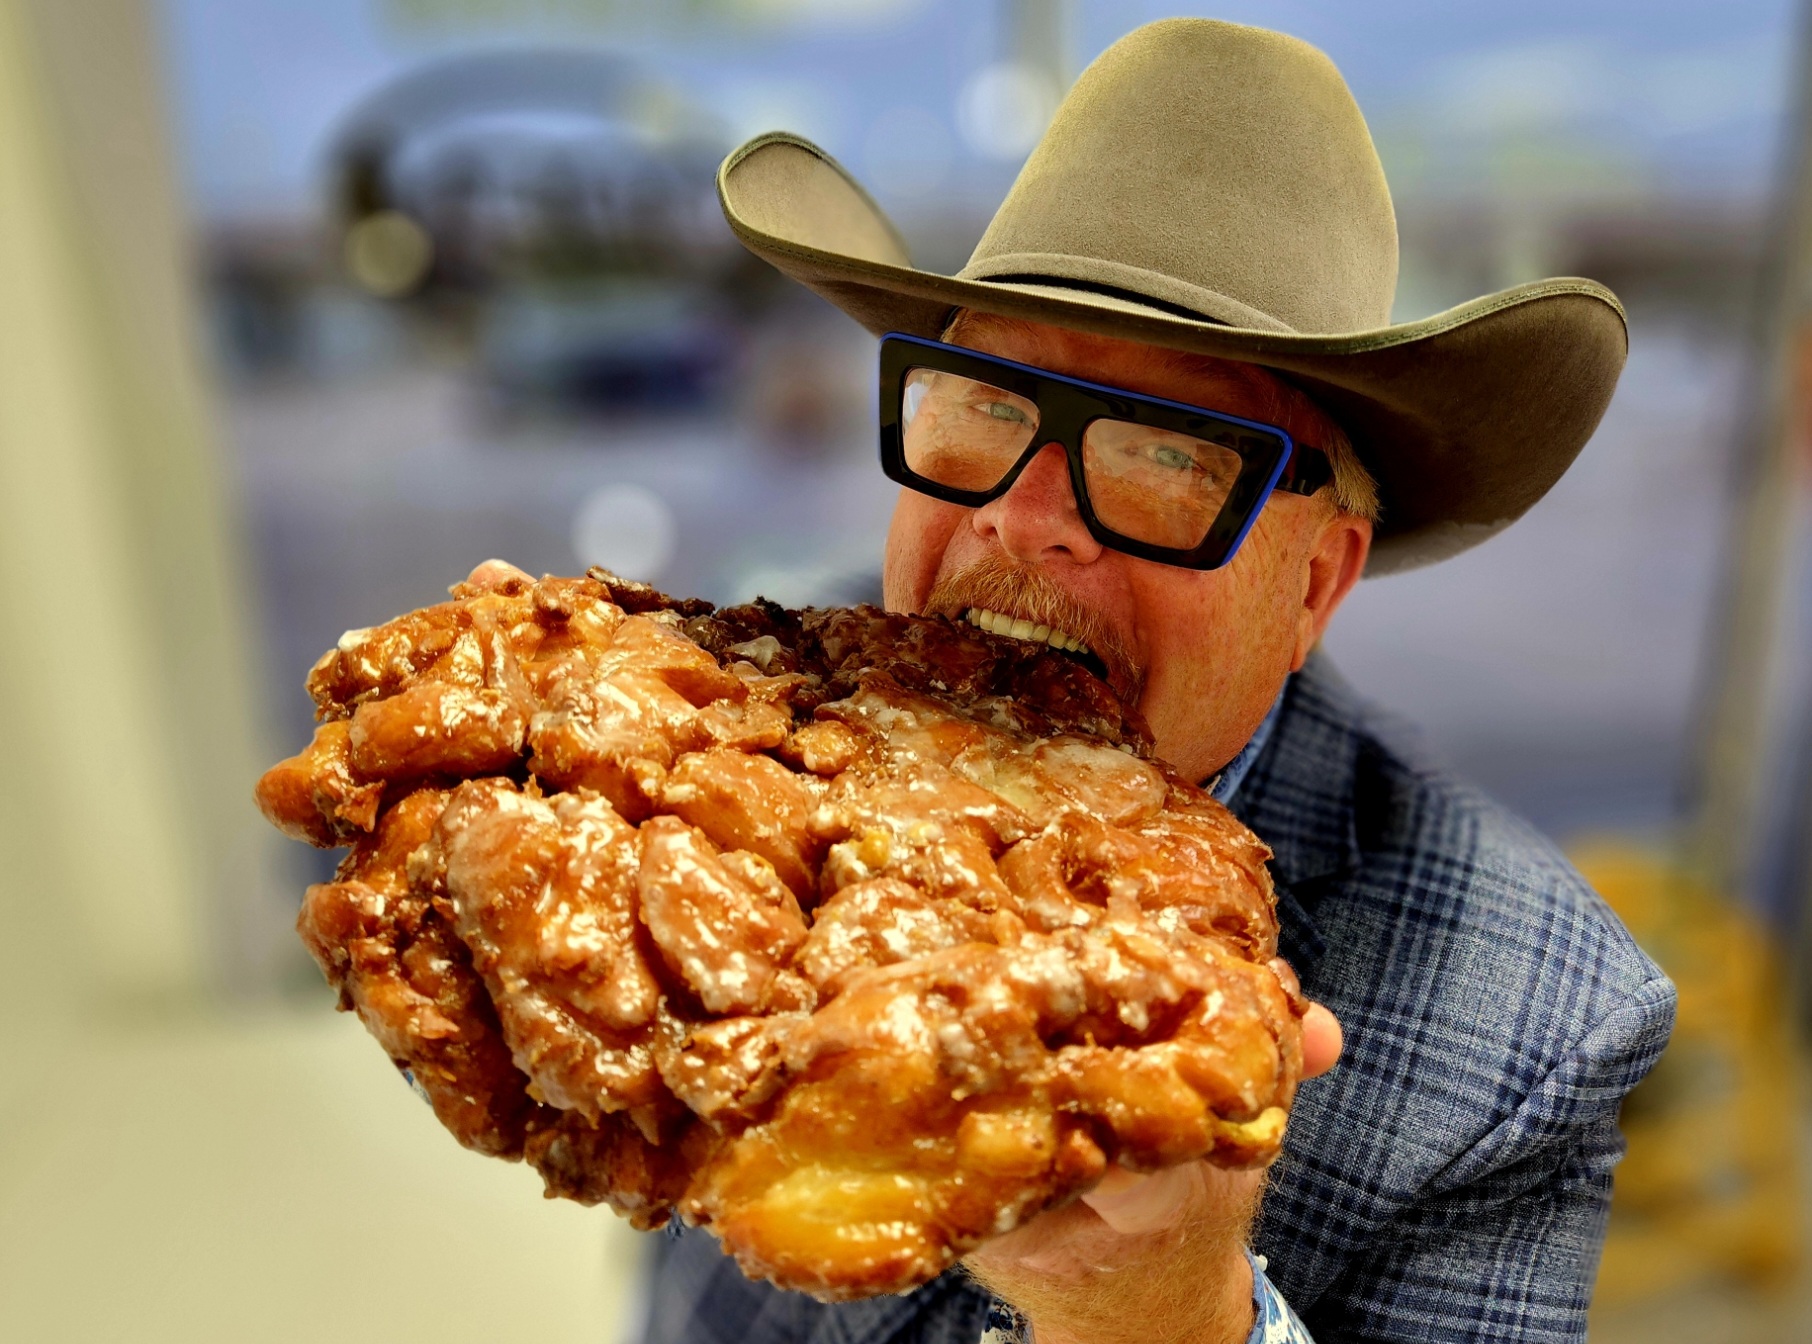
(962,433)
(1155,485)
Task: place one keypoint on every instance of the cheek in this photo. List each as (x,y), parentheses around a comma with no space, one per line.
(1218,654)
(917,539)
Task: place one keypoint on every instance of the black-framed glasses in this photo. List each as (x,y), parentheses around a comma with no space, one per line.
(1157,479)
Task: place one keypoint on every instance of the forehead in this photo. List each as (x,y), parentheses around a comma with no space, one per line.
(1197,380)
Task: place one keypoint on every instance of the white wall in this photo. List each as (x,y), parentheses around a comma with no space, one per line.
(126,726)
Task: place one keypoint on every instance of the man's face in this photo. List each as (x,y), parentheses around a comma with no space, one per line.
(1203,652)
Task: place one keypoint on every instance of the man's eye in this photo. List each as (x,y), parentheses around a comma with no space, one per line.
(1004,410)
(1174,458)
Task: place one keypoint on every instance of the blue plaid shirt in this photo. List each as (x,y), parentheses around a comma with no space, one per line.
(1451,1178)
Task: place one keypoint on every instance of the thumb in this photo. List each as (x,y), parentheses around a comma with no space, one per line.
(494,574)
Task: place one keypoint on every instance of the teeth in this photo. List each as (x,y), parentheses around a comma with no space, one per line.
(996,623)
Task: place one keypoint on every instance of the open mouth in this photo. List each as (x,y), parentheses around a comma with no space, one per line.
(1017,627)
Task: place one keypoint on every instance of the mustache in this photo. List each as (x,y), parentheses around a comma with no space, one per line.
(1000,585)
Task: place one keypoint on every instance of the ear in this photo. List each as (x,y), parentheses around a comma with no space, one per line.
(1335,562)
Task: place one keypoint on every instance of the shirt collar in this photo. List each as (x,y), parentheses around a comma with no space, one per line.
(1298,797)
(1224,785)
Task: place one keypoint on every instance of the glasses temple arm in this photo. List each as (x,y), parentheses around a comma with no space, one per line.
(1306,472)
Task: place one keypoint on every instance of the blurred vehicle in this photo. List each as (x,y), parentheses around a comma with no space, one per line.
(597,348)
(551,214)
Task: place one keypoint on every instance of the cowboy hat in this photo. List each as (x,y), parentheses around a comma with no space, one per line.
(1213,188)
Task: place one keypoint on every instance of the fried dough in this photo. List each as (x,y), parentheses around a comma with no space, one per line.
(857,937)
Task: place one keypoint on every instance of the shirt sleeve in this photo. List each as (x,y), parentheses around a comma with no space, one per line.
(1504,1247)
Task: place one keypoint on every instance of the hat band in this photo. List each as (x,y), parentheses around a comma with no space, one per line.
(1152,290)
(1125,296)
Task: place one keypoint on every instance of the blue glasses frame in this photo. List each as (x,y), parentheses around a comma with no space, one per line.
(1270,459)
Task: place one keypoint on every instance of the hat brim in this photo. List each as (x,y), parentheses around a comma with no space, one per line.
(1466,418)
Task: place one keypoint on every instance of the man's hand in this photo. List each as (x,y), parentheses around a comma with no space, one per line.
(1156,1259)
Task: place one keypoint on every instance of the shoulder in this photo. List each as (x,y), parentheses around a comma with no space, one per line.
(1459,914)
(1496,1011)
(1475,971)
(1425,893)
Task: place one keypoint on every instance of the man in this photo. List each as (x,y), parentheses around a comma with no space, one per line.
(1162,414)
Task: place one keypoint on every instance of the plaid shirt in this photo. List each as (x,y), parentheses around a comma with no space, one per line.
(1451,1178)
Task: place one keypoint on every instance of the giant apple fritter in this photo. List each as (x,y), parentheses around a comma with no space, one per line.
(856,937)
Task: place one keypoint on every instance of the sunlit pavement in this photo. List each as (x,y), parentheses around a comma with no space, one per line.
(272,1179)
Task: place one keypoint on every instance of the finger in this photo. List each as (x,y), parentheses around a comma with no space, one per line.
(1131,1204)
(1076,1237)
(494,574)
(1055,1241)
(1115,1222)
(1321,1041)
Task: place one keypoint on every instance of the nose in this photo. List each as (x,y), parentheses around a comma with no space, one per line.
(1037,519)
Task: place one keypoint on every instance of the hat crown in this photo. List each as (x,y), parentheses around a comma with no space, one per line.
(1213,168)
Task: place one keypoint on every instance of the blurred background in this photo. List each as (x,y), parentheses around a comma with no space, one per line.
(309,307)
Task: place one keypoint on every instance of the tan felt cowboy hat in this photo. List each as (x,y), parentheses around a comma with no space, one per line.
(1211,187)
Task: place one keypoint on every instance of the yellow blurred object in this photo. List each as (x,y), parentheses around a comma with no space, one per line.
(389,253)
(1710,1185)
